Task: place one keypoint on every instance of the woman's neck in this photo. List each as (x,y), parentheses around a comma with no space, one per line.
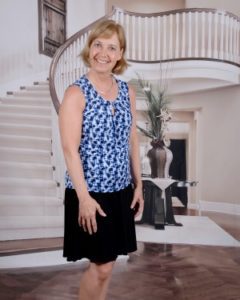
(103,83)
(99,77)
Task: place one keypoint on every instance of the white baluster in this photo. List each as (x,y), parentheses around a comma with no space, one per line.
(226,52)
(121,18)
(177,36)
(215,46)
(209,46)
(183,53)
(164,37)
(152,39)
(203,34)
(115,16)
(65,79)
(133,37)
(196,52)
(170,52)
(70,64)
(221,36)
(127,36)
(189,52)
(146,36)
(234,58)
(237,42)
(159,38)
(140,47)
(230,39)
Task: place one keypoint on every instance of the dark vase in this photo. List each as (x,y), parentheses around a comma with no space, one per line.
(160,158)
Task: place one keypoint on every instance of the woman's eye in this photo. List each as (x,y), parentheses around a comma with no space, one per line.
(97,45)
(112,48)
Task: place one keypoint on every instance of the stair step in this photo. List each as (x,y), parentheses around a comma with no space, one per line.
(25,130)
(30,200)
(45,83)
(23,109)
(30,210)
(32,93)
(35,222)
(38,87)
(30,206)
(27,187)
(25,101)
(25,155)
(37,209)
(25,170)
(24,119)
(25,142)
(25,227)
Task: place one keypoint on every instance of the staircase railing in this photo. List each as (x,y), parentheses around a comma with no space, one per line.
(186,34)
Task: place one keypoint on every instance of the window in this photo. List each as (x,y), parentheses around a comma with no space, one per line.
(52,25)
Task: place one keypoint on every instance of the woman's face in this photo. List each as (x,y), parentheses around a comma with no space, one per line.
(104,53)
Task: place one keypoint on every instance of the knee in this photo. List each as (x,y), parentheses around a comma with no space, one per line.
(103,271)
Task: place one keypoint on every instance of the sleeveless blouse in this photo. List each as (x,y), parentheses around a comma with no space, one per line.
(104,147)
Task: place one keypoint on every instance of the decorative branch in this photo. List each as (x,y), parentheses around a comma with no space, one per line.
(158,113)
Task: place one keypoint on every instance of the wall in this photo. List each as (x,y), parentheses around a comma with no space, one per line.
(81,13)
(20,61)
(232,6)
(149,6)
(218,144)
(19,58)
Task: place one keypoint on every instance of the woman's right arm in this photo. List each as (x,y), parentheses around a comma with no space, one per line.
(70,126)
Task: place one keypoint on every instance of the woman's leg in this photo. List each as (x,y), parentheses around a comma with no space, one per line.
(95,280)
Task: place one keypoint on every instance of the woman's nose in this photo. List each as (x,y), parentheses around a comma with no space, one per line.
(103,51)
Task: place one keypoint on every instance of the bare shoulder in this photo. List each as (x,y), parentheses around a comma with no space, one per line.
(73,99)
(132,95)
(132,91)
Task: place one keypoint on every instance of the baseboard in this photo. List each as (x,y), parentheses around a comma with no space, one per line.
(226,208)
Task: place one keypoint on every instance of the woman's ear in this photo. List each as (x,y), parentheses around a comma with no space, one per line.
(120,54)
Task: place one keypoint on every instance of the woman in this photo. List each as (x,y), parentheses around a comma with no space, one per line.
(97,122)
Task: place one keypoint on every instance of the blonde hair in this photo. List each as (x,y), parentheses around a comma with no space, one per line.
(106,29)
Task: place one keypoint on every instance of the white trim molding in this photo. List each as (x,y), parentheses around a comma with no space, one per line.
(221,207)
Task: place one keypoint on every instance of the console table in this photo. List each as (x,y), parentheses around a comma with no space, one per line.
(158,209)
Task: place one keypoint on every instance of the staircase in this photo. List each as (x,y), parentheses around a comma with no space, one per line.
(29,205)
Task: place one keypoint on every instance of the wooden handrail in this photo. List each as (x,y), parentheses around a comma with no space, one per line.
(175,11)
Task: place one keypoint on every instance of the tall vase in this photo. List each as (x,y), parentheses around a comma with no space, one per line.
(160,158)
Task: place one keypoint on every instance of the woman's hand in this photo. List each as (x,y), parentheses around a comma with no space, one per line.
(138,202)
(88,207)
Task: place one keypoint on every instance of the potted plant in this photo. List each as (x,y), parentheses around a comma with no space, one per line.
(158,116)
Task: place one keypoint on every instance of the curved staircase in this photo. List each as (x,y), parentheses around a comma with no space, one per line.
(29,202)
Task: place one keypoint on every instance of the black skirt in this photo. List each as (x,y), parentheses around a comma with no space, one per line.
(115,234)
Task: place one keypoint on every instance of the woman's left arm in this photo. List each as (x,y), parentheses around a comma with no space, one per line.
(135,159)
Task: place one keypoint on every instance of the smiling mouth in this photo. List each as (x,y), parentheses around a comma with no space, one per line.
(101,61)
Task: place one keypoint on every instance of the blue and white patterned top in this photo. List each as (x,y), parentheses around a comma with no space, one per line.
(104,147)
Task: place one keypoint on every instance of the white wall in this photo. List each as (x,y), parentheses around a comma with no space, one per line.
(144,6)
(20,61)
(81,13)
(218,144)
(19,58)
(232,6)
